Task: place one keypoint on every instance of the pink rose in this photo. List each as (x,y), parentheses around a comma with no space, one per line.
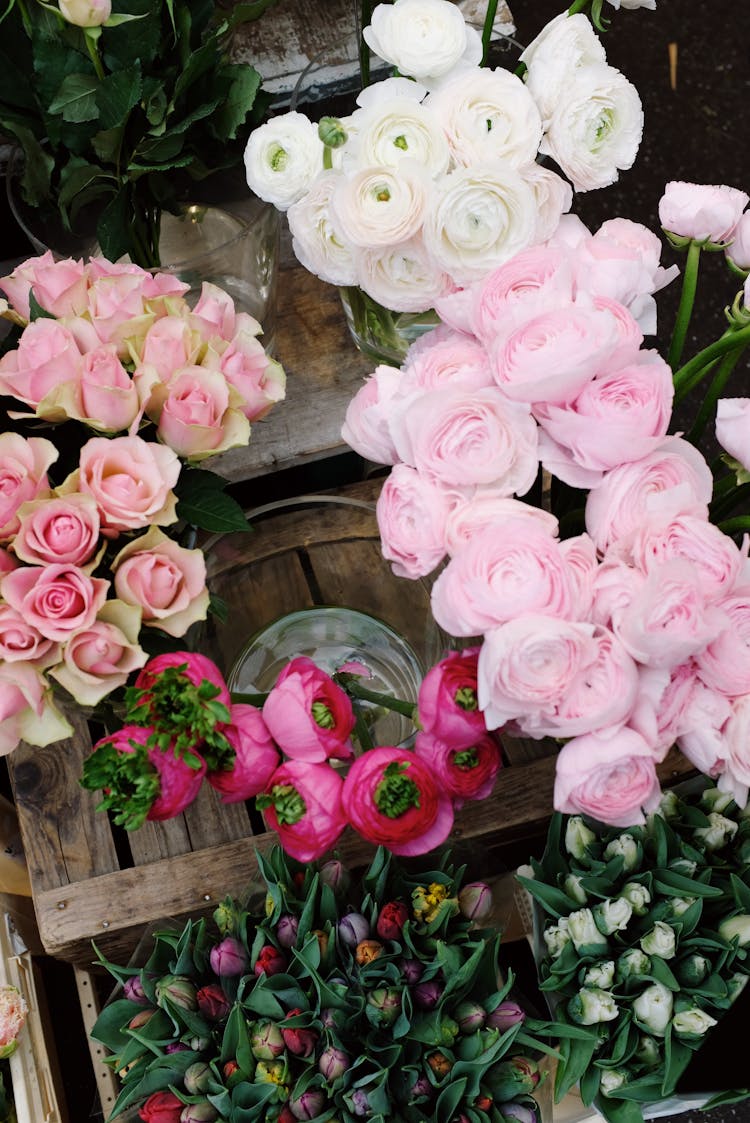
(508,569)
(99,658)
(116,308)
(444,358)
(214,314)
(57,600)
(259,381)
(366,426)
(528,666)
(46,355)
(131,481)
(109,399)
(733,428)
(714,555)
(59,286)
(535,281)
(394,800)
(674,479)
(738,251)
(302,803)
(23,475)
(723,664)
(165,580)
(447,702)
(617,418)
(26,712)
(473,515)
(196,413)
(411,513)
(256,757)
(169,345)
(308,715)
(17,285)
(63,529)
(465,772)
(462,437)
(611,778)
(703,212)
(20,641)
(7,562)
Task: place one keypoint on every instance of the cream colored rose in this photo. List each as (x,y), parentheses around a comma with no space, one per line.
(316,238)
(381,206)
(99,659)
(165,581)
(282,158)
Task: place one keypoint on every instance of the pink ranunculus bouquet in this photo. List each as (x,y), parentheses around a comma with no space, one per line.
(137,388)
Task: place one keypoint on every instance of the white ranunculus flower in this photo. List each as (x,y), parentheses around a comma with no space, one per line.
(488,115)
(479,218)
(403,278)
(381,206)
(316,240)
(693,1021)
(553,195)
(390,89)
(424,39)
(653,1009)
(660,940)
(596,127)
(282,158)
(401,129)
(564,45)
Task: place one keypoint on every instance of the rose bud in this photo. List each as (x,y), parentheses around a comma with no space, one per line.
(299,1041)
(516,1077)
(384,1005)
(335,875)
(505,1015)
(230,1068)
(286,930)
(266,1041)
(366,951)
(333,1063)
(391,920)
(213,1002)
(196,1078)
(439,1063)
(176,1047)
(475,900)
(140,1019)
(270,961)
(308,1105)
(228,958)
(178,990)
(412,970)
(133,990)
(470,1016)
(427,995)
(199,1113)
(161,1107)
(353,928)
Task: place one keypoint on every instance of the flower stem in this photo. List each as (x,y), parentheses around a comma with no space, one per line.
(249,699)
(687,299)
(489,23)
(362,733)
(727,503)
(578,6)
(715,391)
(732,526)
(698,367)
(399,705)
(93,49)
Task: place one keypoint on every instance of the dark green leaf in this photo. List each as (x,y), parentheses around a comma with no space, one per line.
(76,98)
(112,227)
(203,502)
(38,165)
(231,115)
(117,95)
(36,312)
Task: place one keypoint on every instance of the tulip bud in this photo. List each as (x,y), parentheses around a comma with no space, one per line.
(470,1016)
(684,866)
(366,951)
(515,1077)
(718,833)
(335,875)
(226,916)
(421,1088)
(199,1113)
(600,975)
(475,901)
(556,936)
(613,915)
(592,1006)
(612,1079)
(178,990)
(213,1002)
(653,1009)
(632,962)
(391,920)
(176,1047)
(736,927)
(141,1018)
(358,1102)
(333,1063)
(286,930)
(266,1041)
(427,995)
(353,928)
(715,800)
(199,1044)
(308,1105)
(574,889)
(270,961)
(735,985)
(482,1102)
(505,1015)
(624,847)
(228,958)
(648,1052)
(637,896)
(322,938)
(519,1113)
(133,990)
(386,1004)
(229,1069)
(692,1022)
(578,837)
(196,1078)
(331,132)
(271,1072)
(412,970)
(332,1018)
(584,933)
(692,970)
(299,1041)
(285,1115)
(660,940)
(439,1063)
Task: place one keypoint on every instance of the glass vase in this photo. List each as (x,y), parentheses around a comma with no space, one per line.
(381,334)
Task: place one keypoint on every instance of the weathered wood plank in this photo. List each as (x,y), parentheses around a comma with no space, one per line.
(212,823)
(153,841)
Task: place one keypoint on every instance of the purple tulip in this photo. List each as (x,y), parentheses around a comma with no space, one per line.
(199,1113)
(470,1016)
(505,1015)
(335,875)
(427,995)
(308,1105)
(178,990)
(176,1047)
(420,1087)
(134,992)
(228,958)
(333,1063)
(353,928)
(266,1041)
(518,1113)
(412,970)
(475,900)
(360,1102)
(286,930)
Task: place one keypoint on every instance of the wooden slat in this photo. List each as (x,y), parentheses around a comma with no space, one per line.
(211,822)
(153,841)
(64,838)
(106,1082)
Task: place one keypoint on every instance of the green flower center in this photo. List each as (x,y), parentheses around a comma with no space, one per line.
(466,759)
(466,698)
(382,194)
(322,716)
(396,793)
(278,158)
(286,801)
(401,142)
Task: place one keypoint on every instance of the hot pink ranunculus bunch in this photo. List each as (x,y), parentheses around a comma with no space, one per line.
(89,551)
(625,639)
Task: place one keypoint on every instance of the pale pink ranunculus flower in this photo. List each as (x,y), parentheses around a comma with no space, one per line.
(677,704)
(617,418)
(26,710)
(23,475)
(465,437)
(627,331)
(197,414)
(57,600)
(100,658)
(536,280)
(444,357)
(528,665)
(609,776)
(475,513)
(411,512)
(317,240)
(672,480)
(63,528)
(724,664)
(736,739)
(579,554)
(634,238)
(366,426)
(166,581)
(21,641)
(46,355)
(738,251)
(131,481)
(715,556)
(703,212)
(509,569)
(259,380)
(733,428)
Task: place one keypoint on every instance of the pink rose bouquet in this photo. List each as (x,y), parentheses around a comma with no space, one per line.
(92,525)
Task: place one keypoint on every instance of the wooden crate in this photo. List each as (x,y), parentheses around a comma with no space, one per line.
(92,882)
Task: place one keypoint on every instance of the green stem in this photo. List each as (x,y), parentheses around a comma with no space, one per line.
(362,734)
(93,51)
(687,299)
(249,699)
(578,6)
(732,526)
(715,391)
(489,23)
(364,51)
(697,368)
(725,484)
(728,502)
(399,705)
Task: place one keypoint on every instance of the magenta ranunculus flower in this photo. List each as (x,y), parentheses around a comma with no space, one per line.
(302,803)
(610,776)
(393,799)
(466,772)
(447,702)
(183,694)
(308,715)
(255,756)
